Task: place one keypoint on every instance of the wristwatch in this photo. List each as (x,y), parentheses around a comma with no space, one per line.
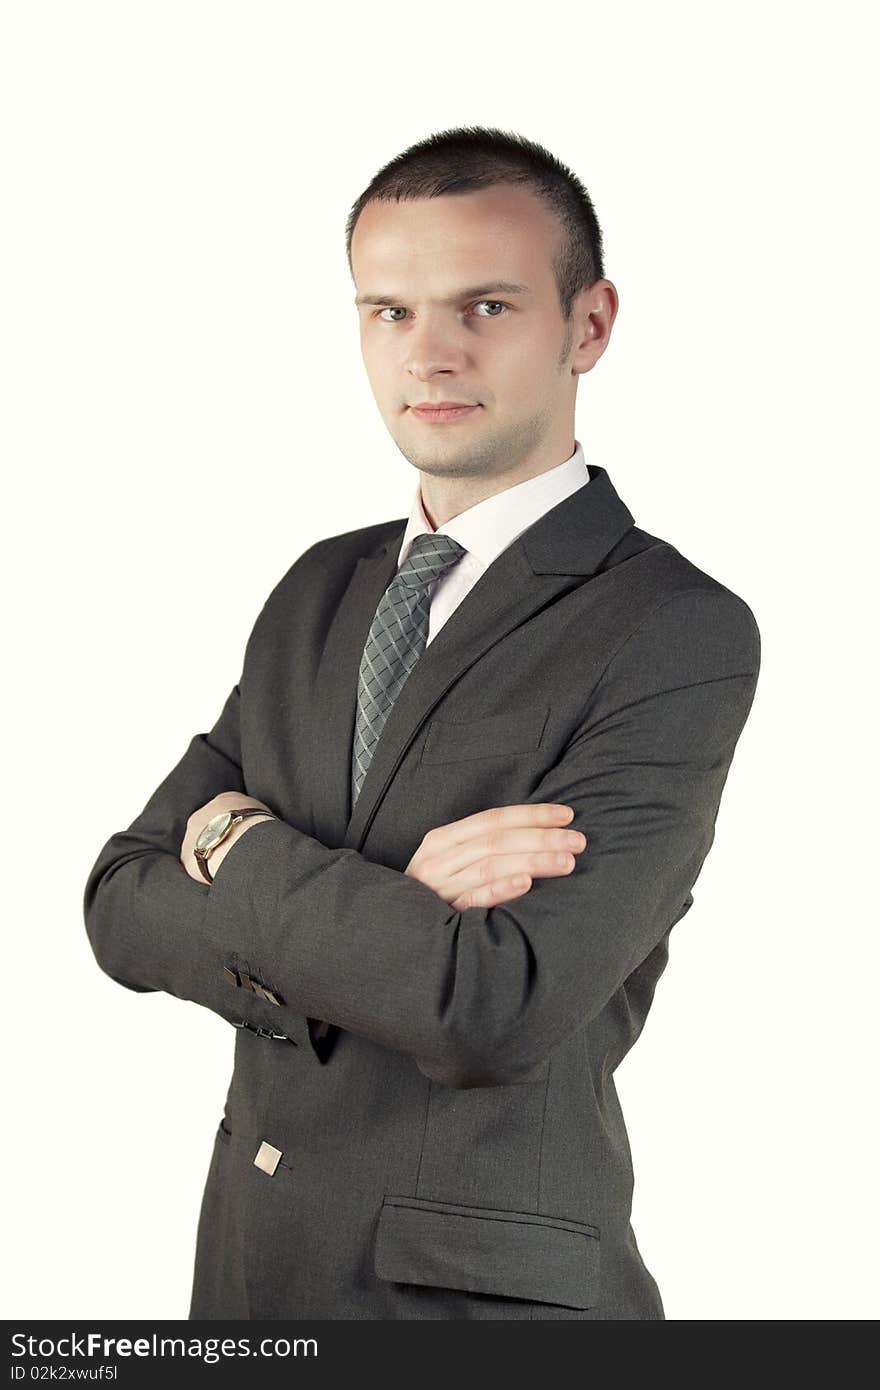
(217,829)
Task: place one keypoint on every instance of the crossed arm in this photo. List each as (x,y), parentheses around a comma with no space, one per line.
(477,995)
(481,860)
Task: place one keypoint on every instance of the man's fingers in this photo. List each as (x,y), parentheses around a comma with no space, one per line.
(496,818)
(482,873)
(523,844)
(501,890)
(493,845)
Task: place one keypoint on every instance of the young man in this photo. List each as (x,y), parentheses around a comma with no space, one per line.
(481,752)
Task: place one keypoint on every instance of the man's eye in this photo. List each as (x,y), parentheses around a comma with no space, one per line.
(497,303)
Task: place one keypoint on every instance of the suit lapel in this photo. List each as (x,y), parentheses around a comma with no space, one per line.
(336,687)
(552,556)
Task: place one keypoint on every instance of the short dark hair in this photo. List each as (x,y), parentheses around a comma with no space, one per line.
(472,157)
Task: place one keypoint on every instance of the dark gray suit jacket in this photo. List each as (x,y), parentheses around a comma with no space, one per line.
(453,1146)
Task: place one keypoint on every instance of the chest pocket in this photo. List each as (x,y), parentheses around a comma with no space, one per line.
(452,740)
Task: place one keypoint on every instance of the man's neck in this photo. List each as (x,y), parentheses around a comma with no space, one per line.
(442,498)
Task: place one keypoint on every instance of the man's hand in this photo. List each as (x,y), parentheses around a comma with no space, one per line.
(492,857)
(224,801)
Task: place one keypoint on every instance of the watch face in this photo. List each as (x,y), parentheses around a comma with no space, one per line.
(214,831)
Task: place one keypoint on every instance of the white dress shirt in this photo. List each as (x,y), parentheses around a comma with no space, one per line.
(489,527)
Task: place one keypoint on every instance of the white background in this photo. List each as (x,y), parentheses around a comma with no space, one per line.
(185,398)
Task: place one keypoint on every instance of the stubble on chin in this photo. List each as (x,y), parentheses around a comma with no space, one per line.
(493,454)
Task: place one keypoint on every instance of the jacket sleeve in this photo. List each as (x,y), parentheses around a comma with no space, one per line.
(146,917)
(480,997)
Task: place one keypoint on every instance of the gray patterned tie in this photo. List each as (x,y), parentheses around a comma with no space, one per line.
(397,638)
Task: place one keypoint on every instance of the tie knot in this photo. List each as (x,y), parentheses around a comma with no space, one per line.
(429,556)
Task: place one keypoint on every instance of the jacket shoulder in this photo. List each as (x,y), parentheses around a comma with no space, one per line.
(673,600)
(663,571)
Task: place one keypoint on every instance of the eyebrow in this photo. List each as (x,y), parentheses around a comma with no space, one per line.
(499,287)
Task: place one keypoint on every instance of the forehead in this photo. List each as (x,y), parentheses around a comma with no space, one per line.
(503,231)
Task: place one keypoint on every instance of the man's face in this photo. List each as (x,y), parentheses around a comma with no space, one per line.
(434,340)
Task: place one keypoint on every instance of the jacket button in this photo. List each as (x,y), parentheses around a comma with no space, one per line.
(267,1157)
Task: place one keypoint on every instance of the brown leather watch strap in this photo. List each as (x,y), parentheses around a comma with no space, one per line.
(237,816)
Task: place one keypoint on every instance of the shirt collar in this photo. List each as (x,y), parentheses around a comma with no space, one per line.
(490,526)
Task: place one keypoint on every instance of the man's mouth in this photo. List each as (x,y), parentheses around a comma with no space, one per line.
(444,412)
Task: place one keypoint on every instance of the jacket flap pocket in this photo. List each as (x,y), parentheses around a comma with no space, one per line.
(510,1253)
(515,731)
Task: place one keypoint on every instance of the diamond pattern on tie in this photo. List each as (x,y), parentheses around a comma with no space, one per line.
(397,638)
